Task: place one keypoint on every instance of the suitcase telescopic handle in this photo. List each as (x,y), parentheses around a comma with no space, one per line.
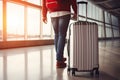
(82,2)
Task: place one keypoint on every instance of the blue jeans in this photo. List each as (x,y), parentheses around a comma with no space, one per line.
(60,25)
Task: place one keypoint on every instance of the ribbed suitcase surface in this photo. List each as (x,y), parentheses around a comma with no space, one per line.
(85,46)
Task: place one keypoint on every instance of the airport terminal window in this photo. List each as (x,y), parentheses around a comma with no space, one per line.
(89,10)
(33,23)
(1,21)
(34,1)
(24,22)
(82,11)
(15,22)
(93,12)
(100,30)
(116,32)
(115,21)
(107,17)
(47,29)
(99,14)
(108,32)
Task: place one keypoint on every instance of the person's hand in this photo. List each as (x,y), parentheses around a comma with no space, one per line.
(44,20)
(74,17)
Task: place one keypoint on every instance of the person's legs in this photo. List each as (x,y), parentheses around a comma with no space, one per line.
(56,31)
(63,26)
(60,25)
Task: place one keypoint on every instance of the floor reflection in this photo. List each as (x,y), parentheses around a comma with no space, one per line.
(38,63)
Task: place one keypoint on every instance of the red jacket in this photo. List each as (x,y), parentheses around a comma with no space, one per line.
(62,7)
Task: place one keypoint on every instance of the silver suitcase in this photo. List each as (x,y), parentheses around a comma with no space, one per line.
(83,47)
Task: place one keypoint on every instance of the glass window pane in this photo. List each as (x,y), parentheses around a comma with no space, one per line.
(47,29)
(100,14)
(34,1)
(107,17)
(89,10)
(1,21)
(100,31)
(115,21)
(108,32)
(116,32)
(15,22)
(82,11)
(33,23)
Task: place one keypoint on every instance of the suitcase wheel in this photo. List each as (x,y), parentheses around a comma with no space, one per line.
(97,72)
(92,73)
(73,73)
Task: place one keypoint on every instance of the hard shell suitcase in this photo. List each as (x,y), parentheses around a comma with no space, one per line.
(83,47)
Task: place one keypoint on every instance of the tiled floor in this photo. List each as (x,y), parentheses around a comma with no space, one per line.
(38,63)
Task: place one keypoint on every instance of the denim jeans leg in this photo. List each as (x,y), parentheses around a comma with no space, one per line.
(56,41)
(60,47)
(55,27)
(60,25)
(63,26)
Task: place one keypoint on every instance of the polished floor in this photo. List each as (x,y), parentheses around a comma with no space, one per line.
(38,63)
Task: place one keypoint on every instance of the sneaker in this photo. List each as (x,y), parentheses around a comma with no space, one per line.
(60,64)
